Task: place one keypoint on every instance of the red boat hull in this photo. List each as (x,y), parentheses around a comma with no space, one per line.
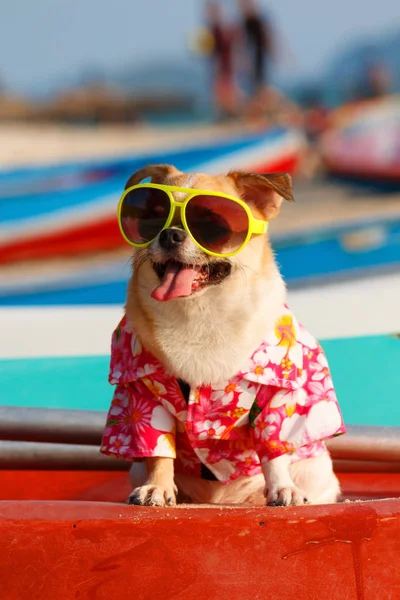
(60,550)
(57,551)
(362,144)
(113,486)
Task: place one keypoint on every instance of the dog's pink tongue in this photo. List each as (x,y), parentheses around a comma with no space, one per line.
(177,282)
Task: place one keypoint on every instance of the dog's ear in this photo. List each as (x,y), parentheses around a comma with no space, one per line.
(264,191)
(158,174)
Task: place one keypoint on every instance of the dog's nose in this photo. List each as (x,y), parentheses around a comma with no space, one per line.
(169,239)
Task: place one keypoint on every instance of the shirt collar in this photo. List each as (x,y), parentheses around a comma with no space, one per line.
(278,360)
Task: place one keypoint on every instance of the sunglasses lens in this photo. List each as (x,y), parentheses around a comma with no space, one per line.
(216,223)
(144,213)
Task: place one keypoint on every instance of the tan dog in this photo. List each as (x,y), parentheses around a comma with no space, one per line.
(206,336)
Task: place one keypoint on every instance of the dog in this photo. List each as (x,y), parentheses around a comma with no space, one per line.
(221,397)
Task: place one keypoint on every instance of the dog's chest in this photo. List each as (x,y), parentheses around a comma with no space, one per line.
(205,352)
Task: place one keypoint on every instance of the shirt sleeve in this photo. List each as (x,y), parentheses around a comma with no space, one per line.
(137,425)
(285,420)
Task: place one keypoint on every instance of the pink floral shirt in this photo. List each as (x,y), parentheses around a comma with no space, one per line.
(282,401)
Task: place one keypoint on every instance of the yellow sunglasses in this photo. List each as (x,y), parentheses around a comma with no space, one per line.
(219,224)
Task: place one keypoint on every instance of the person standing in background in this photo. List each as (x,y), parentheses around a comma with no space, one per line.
(258,36)
(222,55)
(267,105)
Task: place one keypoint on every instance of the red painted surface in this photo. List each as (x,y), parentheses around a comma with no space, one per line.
(67,550)
(76,544)
(370,485)
(80,239)
(288,164)
(99,486)
(371,172)
(113,486)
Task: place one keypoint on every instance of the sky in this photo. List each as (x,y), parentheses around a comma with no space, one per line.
(43,42)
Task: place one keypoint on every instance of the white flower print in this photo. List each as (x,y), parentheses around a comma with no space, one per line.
(323,420)
(181,416)
(224,395)
(321,390)
(224,468)
(289,399)
(247,394)
(155,387)
(259,363)
(165,446)
(288,341)
(248,457)
(294,430)
(119,403)
(320,368)
(116,376)
(211,429)
(136,346)
(162,420)
(265,426)
(140,414)
(119,444)
(144,371)
(244,394)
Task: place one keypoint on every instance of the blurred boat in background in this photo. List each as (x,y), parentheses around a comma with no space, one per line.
(60,242)
(70,209)
(363,143)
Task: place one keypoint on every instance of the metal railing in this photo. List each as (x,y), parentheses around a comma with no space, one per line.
(35,438)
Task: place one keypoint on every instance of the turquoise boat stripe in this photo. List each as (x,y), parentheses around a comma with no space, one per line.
(365,371)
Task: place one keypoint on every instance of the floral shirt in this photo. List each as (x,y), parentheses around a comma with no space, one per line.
(281,401)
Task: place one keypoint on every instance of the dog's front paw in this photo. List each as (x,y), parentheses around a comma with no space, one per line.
(285,496)
(153,495)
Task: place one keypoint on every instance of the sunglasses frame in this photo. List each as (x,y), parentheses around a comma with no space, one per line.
(255,226)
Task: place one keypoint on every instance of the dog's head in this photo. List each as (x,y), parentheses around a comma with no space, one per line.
(173,266)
